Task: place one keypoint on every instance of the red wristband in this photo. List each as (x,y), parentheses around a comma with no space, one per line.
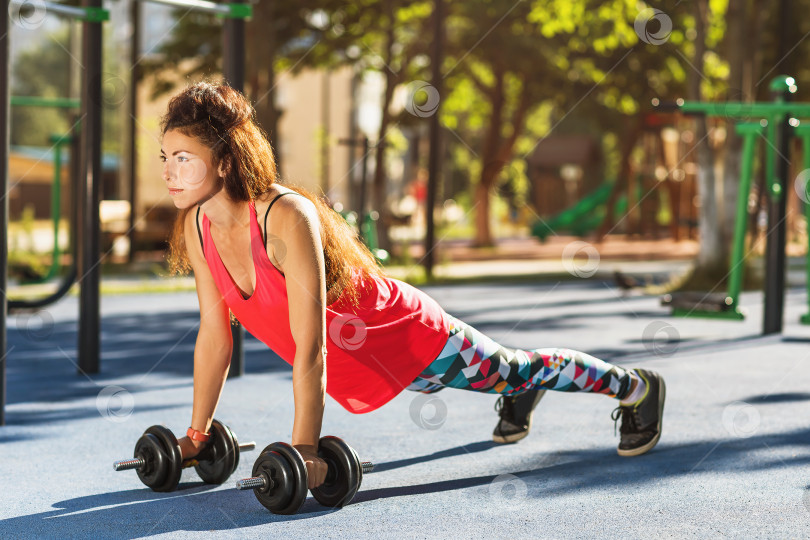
(195,435)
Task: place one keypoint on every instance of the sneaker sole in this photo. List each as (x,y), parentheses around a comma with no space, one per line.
(506,439)
(662,394)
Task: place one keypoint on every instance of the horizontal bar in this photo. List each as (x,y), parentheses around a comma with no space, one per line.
(89,14)
(744,128)
(735,315)
(735,109)
(235,11)
(37,101)
(802,130)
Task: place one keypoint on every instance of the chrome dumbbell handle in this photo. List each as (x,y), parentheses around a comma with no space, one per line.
(137,463)
(127,464)
(262,482)
(256,482)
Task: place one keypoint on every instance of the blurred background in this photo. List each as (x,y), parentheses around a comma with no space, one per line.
(545,107)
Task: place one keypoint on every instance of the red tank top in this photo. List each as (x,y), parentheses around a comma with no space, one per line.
(373,350)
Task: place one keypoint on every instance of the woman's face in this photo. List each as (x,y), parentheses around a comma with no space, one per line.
(188,169)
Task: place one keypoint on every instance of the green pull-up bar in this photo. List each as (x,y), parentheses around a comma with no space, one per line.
(770,115)
(86,13)
(777,118)
(230,10)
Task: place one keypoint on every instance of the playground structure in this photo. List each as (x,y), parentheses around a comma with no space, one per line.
(657,189)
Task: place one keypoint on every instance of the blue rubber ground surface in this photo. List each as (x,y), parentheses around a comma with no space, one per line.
(732,461)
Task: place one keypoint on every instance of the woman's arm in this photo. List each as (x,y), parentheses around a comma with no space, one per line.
(303,267)
(214,345)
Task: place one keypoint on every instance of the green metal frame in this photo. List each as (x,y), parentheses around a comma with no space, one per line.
(58,142)
(36,101)
(770,116)
(749,131)
(803,132)
(733,315)
(80,13)
(367,233)
(221,10)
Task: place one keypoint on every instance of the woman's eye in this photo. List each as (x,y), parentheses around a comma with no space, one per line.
(181,158)
(162,158)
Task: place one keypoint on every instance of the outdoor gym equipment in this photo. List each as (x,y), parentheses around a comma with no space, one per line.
(92,15)
(159,464)
(58,143)
(88,160)
(280,476)
(776,120)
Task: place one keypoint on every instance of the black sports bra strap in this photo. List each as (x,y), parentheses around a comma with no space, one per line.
(268,211)
(199,232)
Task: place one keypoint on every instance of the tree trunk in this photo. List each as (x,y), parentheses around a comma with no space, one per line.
(379,184)
(710,258)
(489,166)
(735,54)
(260,71)
(497,153)
(633,128)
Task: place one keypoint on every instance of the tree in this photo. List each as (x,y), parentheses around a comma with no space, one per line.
(44,70)
(535,64)
(280,37)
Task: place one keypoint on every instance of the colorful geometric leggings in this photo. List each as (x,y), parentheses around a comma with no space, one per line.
(472,361)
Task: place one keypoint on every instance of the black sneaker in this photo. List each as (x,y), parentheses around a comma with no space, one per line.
(641,422)
(516,416)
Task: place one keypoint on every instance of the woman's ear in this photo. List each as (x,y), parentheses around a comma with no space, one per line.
(224,167)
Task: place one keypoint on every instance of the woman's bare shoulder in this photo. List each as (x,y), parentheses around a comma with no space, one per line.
(290,207)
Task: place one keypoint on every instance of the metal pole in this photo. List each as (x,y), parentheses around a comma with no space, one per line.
(199,5)
(75,191)
(435,135)
(773,316)
(234,71)
(56,203)
(90,269)
(4,140)
(804,132)
(749,132)
(134,76)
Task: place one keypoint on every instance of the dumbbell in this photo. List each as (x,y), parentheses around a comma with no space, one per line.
(159,463)
(280,476)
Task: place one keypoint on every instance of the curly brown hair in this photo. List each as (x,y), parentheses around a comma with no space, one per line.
(224,120)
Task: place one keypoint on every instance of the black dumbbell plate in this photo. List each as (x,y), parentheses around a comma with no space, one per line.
(154,473)
(173,455)
(285,467)
(223,453)
(344,476)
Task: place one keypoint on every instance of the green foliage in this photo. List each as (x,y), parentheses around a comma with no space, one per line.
(44,70)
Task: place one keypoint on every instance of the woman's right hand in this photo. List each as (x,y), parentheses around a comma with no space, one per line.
(189,448)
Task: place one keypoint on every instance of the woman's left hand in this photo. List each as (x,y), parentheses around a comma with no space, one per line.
(316,467)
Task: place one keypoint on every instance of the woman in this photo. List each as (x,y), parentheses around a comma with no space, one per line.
(299,280)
